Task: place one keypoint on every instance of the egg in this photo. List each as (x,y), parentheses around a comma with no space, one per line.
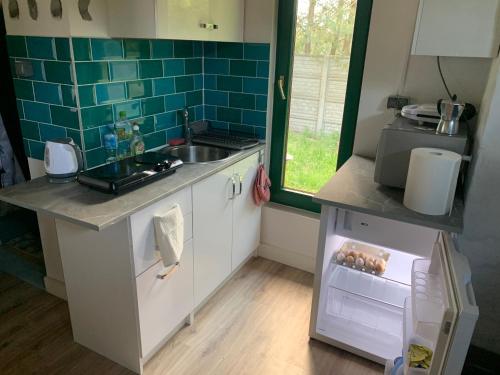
(360,262)
(353,254)
(370,263)
(340,257)
(380,265)
(349,259)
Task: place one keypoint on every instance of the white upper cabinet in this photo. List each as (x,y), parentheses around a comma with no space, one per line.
(218,20)
(462,28)
(67,20)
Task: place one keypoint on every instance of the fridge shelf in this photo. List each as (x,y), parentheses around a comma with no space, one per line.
(369,286)
(427,303)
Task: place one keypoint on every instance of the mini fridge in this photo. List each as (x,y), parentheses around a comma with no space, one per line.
(424,296)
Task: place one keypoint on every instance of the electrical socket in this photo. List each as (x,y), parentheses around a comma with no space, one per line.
(397,102)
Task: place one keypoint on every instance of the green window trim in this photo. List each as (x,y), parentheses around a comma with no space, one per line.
(284,61)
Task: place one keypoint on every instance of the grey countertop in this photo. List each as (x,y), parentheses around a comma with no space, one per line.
(84,206)
(353,188)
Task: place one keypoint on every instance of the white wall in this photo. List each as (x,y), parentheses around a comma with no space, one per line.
(390,70)
(481,238)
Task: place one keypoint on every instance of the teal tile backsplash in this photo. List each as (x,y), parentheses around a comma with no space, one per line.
(79,86)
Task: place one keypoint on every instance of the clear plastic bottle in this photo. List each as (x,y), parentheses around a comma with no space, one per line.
(111,143)
(137,142)
(123,127)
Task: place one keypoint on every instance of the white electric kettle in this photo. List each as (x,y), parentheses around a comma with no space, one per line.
(63,160)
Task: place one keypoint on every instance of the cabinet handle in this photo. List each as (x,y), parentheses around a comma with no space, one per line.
(281,85)
(241,184)
(234,188)
(163,276)
(209,26)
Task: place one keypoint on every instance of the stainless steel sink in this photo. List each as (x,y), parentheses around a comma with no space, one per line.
(197,154)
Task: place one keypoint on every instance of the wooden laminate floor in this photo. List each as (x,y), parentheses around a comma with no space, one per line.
(256,324)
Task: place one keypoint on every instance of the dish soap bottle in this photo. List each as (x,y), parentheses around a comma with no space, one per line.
(111,143)
(137,142)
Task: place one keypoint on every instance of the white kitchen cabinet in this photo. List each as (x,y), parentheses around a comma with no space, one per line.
(246,215)
(70,23)
(457,28)
(226,225)
(218,20)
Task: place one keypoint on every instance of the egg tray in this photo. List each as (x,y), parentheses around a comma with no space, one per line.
(378,255)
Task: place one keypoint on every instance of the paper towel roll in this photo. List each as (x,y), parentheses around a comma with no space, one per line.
(432,180)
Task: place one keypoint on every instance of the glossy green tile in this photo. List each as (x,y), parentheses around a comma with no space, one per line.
(216,66)
(23,89)
(81,49)
(184,83)
(110,92)
(62,49)
(260,132)
(161,49)
(136,49)
(139,89)
(229,50)
(36,65)
(198,48)
(36,111)
(246,101)
(132,108)
(106,49)
(16,46)
(198,82)
(146,124)
(173,133)
(95,157)
(194,98)
(68,95)
(228,83)
(50,132)
(97,116)
(166,120)
(37,149)
(29,129)
(20,109)
(40,47)
(123,70)
(150,68)
(242,129)
(154,140)
(92,138)
(64,116)
(263,69)
(243,68)
(58,72)
(174,102)
(76,136)
(261,102)
(173,67)
(229,114)
(87,95)
(193,66)
(152,106)
(255,85)
(183,48)
(47,92)
(256,118)
(92,72)
(257,51)
(213,97)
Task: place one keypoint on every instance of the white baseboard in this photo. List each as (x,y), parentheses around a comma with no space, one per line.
(290,258)
(55,287)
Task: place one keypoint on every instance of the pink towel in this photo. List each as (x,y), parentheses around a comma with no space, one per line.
(261,191)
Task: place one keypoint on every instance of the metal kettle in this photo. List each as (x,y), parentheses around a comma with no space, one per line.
(450,111)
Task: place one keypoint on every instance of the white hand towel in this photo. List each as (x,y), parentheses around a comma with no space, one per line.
(169,233)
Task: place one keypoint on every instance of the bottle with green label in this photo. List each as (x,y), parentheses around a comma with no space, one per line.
(137,141)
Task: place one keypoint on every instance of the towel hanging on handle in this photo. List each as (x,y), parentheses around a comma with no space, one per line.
(169,234)
(261,187)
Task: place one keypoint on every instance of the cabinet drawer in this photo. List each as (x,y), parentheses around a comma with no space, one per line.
(385,232)
(164,304)
(143,233)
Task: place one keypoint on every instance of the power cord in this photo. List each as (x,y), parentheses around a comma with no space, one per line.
(442,79)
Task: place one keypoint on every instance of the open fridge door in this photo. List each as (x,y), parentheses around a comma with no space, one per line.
(450,359)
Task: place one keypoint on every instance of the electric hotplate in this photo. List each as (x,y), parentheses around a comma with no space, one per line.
(129,173)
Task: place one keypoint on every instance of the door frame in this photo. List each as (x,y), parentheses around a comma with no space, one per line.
(287,17)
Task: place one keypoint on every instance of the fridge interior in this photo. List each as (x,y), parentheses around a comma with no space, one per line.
(380,315)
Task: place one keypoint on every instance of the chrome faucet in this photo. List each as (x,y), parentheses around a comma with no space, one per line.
(187,128)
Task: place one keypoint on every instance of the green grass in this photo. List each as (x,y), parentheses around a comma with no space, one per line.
(313,160)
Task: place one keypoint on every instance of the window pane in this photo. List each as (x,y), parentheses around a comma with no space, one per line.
(322,51)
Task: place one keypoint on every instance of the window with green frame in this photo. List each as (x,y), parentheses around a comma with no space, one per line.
(332,34)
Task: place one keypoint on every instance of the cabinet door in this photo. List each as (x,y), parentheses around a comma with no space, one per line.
(228,15)
(182,19)
(246,215)
(212,233)
(164,303)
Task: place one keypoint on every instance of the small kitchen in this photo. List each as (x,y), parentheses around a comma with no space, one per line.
(165,173)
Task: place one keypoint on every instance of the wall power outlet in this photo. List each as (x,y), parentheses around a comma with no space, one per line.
(397,102)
